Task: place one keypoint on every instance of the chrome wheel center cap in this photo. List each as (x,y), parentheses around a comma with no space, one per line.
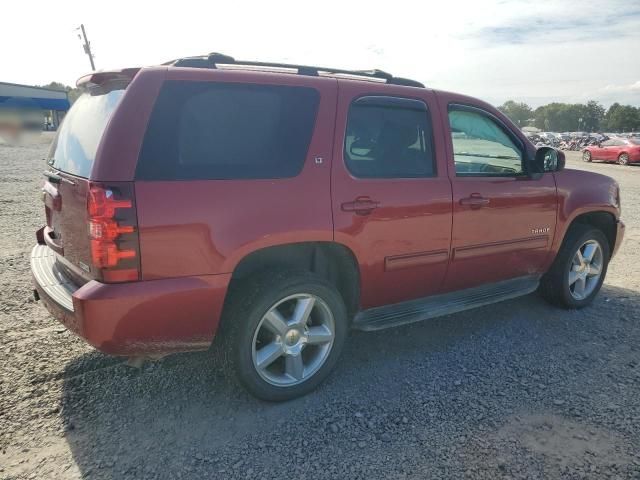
(292,337)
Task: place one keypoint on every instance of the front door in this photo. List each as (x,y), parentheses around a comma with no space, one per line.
(390,192)
(503,220)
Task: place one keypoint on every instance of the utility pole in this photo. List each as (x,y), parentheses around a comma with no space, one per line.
(87,47)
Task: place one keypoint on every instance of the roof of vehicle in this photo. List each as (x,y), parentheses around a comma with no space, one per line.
(221,61)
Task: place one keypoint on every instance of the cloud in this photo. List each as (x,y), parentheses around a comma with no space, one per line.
(560,23)
(633,87)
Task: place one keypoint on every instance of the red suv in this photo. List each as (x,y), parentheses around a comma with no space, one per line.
(282,205)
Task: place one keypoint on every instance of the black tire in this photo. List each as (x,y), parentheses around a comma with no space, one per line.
(623,159)
(586,156)
(554,285)
(250,300)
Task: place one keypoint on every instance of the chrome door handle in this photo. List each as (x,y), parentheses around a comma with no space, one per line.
(361,206)
(474,201)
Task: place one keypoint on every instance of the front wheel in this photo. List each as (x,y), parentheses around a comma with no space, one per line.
(586,156)
(623,159)
(286,332)
(579,269)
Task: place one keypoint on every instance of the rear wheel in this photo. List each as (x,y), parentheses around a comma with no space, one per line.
(286,333)
(586,156)
(623,158)
(579,269)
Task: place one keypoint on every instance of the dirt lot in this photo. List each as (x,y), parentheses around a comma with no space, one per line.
(515,390)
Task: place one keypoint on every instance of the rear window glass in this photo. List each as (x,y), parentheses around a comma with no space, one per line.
(205,130)
(74,149)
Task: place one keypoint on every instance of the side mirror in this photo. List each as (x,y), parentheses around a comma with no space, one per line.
(549,159)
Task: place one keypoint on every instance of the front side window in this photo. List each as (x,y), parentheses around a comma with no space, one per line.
(481,147)
(210,130)
(389,138)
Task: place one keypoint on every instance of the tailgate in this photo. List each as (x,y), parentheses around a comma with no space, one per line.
(70,161)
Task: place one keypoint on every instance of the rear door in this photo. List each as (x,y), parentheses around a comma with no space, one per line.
(390,192)
(70,162)
(503,219)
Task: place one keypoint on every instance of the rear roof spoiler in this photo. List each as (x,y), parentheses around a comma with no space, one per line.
(107,76)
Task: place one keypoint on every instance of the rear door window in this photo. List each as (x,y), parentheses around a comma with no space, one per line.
(389,137)
(206,130)
(75,146)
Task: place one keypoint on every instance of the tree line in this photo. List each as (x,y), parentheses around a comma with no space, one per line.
(574,117)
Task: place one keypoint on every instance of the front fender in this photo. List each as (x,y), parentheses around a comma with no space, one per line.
(579,193)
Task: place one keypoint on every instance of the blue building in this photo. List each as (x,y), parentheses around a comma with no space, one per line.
(51,104)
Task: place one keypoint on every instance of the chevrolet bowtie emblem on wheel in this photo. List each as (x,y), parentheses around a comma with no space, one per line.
(540,231)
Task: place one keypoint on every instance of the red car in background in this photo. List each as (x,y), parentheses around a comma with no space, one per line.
(621,150)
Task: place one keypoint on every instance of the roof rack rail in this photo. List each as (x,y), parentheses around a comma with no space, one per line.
(213,59)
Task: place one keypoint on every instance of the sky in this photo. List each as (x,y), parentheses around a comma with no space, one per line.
(531,51)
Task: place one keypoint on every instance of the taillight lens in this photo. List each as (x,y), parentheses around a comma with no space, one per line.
(113,232)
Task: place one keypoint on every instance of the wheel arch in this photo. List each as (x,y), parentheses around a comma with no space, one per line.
(333,261)
(602,220)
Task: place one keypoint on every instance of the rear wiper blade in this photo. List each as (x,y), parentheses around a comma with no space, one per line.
(55,178)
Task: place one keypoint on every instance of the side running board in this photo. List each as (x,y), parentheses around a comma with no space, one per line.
(444,304)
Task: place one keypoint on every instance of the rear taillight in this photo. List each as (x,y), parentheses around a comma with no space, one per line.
(113,232)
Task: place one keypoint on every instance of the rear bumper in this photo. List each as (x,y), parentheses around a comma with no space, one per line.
(620,228)
(138,318)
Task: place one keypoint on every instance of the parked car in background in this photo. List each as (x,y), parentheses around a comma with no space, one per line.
(278,210)
(617,149)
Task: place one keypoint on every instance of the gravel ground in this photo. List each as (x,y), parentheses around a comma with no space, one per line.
(515,390)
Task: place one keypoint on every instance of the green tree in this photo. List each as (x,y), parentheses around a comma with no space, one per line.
(564,117)
(592,115)
(519,113)
(622,118)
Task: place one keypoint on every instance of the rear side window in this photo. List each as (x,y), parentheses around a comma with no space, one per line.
(74,149)
(389,137)
(205,130)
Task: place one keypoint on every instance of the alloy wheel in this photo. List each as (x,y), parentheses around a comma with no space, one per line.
(586,269)
(293,340)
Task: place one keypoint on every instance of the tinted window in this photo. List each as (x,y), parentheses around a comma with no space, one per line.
(481,146)
(74,149)
(387,140)
(204,130)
